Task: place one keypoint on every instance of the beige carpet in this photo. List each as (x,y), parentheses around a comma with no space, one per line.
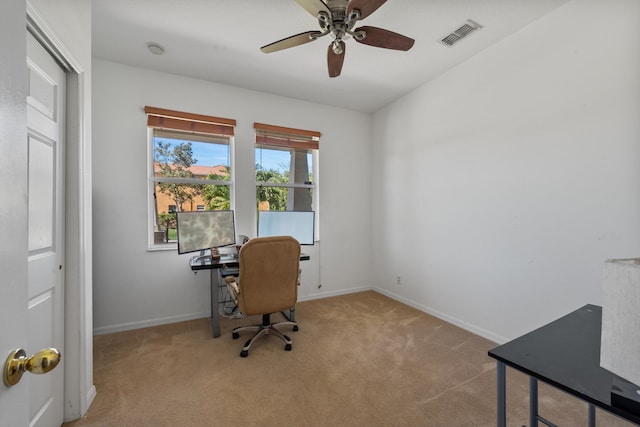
(358,360)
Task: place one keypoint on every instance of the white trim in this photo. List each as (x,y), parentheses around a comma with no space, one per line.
(320,295)
(150,190)
(153,180)
(283,185)
(128,326)
(181,318)
(449,319)
(47,36)
(198,181)
(85,240)
(315,200)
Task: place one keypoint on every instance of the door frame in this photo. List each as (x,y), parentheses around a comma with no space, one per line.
(79,390)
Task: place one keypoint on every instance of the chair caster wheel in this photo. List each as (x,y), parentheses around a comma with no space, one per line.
(244,353)
(295,328)
(235,335)
(287,347)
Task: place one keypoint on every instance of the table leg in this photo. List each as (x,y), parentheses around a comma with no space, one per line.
(592,415)
(533,402)
(291,317)
(215,315)
(501,394)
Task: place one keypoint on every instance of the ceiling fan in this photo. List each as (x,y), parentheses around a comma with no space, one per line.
(337,18)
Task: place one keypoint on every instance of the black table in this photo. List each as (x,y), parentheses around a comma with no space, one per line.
(565,354)
(225,266)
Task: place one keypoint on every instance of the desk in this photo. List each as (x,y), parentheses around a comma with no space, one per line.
(565,354)
(218,270)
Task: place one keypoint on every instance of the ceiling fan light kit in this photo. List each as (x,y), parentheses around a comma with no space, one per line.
(338,18)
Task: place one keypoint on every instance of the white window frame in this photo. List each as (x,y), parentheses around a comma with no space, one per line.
(152,180)
(315,184)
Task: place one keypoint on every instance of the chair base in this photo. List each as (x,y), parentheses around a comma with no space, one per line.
(267,328)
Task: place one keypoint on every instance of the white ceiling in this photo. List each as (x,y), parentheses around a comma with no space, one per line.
(219,40)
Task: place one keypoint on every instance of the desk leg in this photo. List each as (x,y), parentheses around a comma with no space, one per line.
(592,415)
(501,394)
(215,315)
(291,317)
(533,402)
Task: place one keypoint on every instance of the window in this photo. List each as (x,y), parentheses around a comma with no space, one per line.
(190,168)
(286,168)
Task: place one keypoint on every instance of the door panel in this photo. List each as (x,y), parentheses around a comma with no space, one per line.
(41,195)
(45,139)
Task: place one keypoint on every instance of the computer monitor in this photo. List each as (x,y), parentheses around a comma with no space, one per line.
(202,230)
(298,224)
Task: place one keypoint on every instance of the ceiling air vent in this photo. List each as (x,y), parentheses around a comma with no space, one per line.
(462,32)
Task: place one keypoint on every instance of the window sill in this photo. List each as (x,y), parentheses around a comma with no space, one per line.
(162,248)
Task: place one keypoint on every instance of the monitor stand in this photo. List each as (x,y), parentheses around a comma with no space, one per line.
(214,256)
(201,257)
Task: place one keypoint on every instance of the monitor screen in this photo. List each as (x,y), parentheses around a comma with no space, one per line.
(201,230)
(298,224)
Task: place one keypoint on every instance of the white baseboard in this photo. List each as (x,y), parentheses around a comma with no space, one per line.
(91,395)
(121,327)
(449,319)
(147,323)
(319,295)
(181,318)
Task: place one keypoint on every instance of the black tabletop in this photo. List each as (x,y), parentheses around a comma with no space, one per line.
(205,263)
(566,354)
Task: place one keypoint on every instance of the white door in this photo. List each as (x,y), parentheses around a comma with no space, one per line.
(13,190)
(45,139)
(31,221)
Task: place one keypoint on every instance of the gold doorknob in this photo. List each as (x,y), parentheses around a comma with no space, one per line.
(40,363)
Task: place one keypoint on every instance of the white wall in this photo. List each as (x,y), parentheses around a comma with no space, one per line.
(134,287)
(509,180)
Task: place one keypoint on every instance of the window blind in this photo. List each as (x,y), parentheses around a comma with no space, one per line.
(160,118)
(278,136)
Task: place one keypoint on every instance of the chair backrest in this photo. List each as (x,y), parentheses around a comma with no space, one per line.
(268,276)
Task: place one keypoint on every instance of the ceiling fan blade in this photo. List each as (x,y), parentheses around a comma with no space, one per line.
(335,60)
(366,7)
(379,37)
(291,41)
(314,6)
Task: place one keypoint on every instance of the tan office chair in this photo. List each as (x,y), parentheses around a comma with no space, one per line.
(267,283)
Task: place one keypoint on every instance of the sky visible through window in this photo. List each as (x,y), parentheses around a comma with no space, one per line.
(217,154)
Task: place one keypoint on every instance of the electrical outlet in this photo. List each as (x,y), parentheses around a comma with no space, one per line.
(398,280)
